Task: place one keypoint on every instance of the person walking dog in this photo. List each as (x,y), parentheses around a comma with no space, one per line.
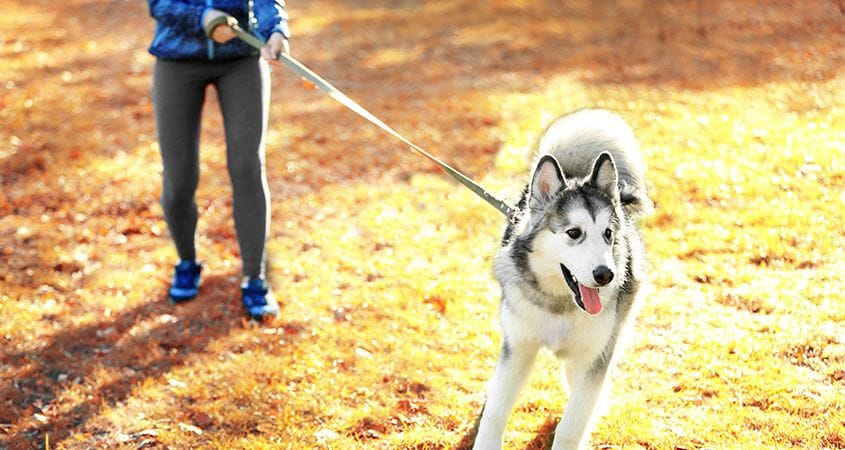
(187,62)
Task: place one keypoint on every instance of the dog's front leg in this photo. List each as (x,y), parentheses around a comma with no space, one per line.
(586,389)
(515,361)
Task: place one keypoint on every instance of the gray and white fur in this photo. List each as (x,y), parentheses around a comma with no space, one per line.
(570,268)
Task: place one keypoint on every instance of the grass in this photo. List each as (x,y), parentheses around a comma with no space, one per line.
(388,330)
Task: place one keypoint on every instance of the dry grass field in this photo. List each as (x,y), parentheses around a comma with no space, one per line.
(388,328)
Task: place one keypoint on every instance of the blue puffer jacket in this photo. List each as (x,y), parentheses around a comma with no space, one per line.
(180,35)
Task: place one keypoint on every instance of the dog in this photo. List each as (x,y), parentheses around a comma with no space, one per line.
(571,266)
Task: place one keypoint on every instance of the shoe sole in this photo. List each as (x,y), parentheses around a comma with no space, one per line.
(262,317)
(175,301)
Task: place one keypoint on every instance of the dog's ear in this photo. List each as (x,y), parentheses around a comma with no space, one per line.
(547,180)
(604,175)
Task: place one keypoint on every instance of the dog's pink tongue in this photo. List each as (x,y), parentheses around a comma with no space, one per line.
(590,298)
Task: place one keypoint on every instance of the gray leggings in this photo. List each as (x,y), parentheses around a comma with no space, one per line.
(243,87)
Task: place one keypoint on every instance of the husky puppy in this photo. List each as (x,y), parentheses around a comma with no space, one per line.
(570,268)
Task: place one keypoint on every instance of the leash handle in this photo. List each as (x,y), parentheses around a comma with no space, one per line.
(335,93)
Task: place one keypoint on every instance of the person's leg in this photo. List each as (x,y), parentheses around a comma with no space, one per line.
(178,95)
(244,92)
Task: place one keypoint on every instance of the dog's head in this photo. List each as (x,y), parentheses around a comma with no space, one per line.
(575,224)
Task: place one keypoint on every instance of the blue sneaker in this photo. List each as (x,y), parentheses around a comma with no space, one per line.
(186,281)
(258,299)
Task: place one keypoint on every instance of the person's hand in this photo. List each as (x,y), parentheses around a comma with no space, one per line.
(221,33)
(275,45)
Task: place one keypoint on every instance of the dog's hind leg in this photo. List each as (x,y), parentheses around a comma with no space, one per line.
(513,367)
(586,387)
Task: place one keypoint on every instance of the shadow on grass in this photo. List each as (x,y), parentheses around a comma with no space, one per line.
(135,345)
(545,435)
(691,45)
(542,441)
(469,438)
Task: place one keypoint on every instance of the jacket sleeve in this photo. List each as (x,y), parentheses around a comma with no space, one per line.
(177,14)
(272,17)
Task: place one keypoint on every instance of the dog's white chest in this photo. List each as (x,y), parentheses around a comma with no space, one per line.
(556,331)
(574,333)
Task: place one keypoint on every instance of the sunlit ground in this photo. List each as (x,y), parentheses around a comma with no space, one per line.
(388,330)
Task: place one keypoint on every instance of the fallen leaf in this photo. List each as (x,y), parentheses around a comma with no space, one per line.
(202,419)
(188,428)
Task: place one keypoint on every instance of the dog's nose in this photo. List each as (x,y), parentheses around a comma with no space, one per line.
(602,275)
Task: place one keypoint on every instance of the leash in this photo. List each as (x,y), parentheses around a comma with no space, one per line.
(335,93)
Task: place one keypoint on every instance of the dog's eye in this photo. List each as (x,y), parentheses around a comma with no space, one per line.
(608,233)
(573,233)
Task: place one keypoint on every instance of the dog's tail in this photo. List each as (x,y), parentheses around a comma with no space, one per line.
(577,139)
